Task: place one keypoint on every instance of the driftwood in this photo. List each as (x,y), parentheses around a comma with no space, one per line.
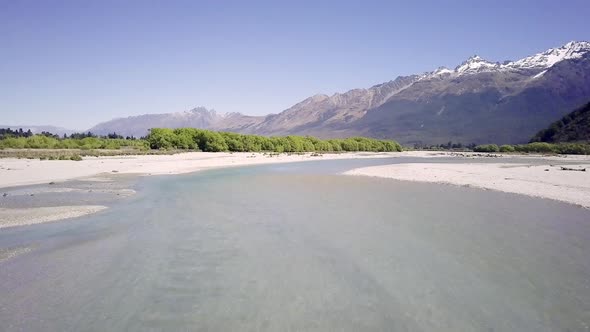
(573,169)
(472,155)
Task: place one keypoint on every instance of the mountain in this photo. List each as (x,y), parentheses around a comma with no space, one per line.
(38,129)
(573,127)
(330,116)
(199,117)
(479,101)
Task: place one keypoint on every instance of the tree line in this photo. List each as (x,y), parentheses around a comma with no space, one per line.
(7,132)
(533,147)
(10,133)
(50,141)
(20,139)
(445,146)
(191,139)
(537,147)
(212,141)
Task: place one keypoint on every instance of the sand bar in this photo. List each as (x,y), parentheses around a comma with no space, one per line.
(545,181)
(31,216)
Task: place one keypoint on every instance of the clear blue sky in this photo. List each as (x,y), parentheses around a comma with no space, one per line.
(75,63)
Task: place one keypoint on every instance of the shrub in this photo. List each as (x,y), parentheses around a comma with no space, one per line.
(536,147)
(506,148)
(572,148)
(487,148)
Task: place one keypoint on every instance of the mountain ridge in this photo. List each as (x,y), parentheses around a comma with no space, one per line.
(466,103)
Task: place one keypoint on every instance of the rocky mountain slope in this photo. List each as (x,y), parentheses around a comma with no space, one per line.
(484,102)
(479,101)
(573,127)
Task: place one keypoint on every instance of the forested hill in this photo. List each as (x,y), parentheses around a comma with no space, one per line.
(573,127)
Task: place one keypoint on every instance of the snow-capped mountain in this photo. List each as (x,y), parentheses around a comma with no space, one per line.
(478,101)
(540,61)
(476,64)
(571,50)
(482,101)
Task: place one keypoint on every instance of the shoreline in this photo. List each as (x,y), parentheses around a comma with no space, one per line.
(567,186)
(548,181)
(47,174)
(22,172)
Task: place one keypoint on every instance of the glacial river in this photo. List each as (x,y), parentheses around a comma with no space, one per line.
(296,247)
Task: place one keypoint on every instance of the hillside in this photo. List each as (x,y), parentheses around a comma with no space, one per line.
(573,127)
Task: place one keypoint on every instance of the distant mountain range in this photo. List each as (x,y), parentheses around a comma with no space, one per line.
(477,102)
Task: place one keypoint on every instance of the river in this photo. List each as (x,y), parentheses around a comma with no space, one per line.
(296,247)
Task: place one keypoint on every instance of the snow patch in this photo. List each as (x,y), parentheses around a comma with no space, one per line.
(540,74)
(442,71)
(476,64)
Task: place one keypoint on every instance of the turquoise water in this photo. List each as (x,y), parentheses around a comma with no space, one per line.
(295,247)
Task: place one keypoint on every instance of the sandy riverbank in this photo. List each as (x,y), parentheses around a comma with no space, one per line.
(545,181)
(100,171)
(17,172)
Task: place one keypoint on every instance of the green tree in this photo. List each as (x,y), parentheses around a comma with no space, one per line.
(210,141)
(161,138)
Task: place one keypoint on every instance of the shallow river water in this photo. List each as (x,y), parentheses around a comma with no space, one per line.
(296,247)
